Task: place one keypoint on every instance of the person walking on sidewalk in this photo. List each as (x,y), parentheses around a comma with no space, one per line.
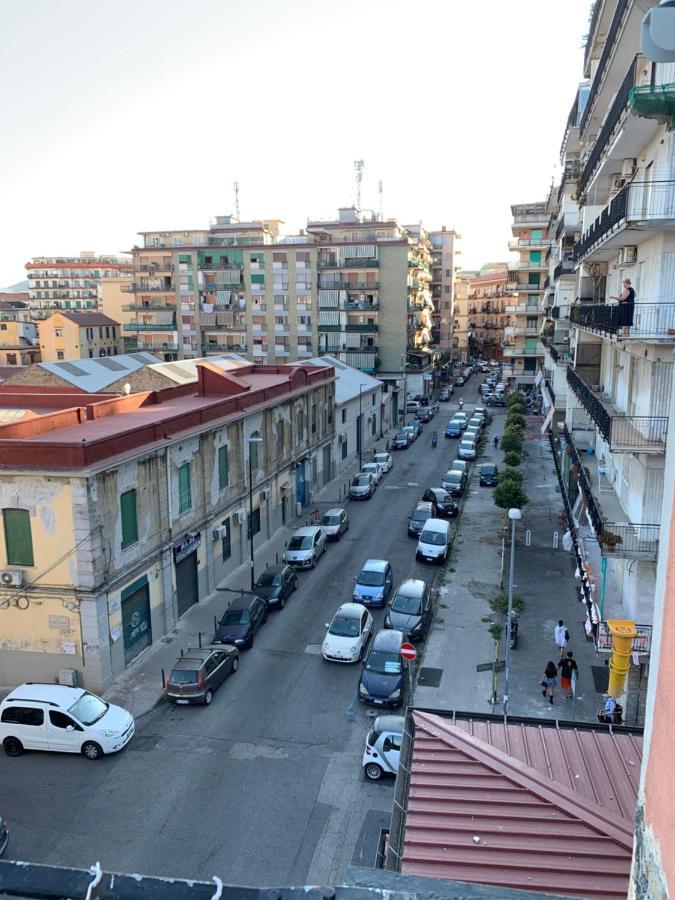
(496,442)
(568,671)
(561,636)
(549,680)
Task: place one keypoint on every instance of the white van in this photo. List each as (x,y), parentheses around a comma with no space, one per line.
(65,719)
(434,540)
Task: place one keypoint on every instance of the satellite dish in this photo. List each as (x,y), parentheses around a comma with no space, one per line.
(657,35)
(126,390)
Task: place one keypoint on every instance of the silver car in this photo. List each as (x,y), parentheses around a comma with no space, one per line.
(362,486)
(335,522)
(305,547)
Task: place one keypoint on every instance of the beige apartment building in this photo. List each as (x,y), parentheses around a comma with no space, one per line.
(445,251)
(487,298)
(114,302)
(18,341)
(523,348)
(69,283)
(79,335)
(461,331)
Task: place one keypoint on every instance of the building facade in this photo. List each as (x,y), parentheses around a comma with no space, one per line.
(120,513)
(487,299)
(460,323)
(18,341)
(69,283)
(445,252)
(78,335)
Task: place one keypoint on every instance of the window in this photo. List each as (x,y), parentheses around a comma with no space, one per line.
(253,450)
(223,468)
(58,332)
(344,416)
(254,522)
(446,289)
(313,418)
(184,488)
(91,354)
(129,518)
(61,720)
(344,446)
(280,439)
(59,354)
(373,396)
(100,331)
(18,538)
(23,715)
(227,541)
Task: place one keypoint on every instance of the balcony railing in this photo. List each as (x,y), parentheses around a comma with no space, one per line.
(559,356)
(590,402)
(149,326)
(638,434)
(628,540)
(563,268)
(212,286)
(360,327)
(136,288)
(361,304)
(353,263)
(157,348)
(591,506)
(607,51)
(651,321)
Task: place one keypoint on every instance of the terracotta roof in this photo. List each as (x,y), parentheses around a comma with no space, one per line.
(529,806)
(88,319)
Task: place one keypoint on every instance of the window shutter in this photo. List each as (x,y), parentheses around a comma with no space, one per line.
(184,489)
(18,538)
(129,518)
(223,468)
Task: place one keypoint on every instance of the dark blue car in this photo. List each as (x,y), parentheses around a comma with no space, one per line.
(489,474)
(382,681)
(453,430)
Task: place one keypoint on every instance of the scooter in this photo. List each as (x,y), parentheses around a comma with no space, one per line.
(514,630)
(460,404)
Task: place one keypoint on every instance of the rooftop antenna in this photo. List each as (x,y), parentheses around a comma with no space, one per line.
(379,191)
(358,168)
(236,199)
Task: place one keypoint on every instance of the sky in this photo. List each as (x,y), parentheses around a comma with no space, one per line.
(119,116)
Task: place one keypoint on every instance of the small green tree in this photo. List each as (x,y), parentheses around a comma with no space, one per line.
(510,473)
(499,605)
(515,420)
(512,458)
(509,494)
(511,442)
(514,399)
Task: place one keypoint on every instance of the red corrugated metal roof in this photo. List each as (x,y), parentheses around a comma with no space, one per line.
(521,806)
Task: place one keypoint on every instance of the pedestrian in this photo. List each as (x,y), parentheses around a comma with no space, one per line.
(626,299)
(549,680)
(609,709)
(568,671)
(561,636)
(496,442)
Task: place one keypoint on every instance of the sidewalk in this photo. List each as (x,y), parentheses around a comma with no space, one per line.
(543,577)
(139,688)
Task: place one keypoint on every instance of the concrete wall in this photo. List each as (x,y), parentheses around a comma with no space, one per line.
(393,298)
(346,432)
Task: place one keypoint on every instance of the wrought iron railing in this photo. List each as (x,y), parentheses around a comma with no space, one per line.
(614,212)
(590,402)
(650,320)
(563,268)
(593,511)
(607,51)
(630,540)
(638,434)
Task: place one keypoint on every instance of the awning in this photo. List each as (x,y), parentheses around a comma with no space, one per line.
(546,397)
(538,377)
(547,420)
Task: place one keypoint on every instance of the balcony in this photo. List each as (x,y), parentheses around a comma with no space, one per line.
(561,355)
(612,34)
(136,288)
(169,328)
(638,208)
(154,267)
(361,327)
(651,321)
(623,434)
(530,214)
(563,268)
(231,348)
(524,351)
(144,307)
(354,263)
(529,244)
(211,286)
(157,348)
(568,223)
(629,541)
(361,304)
(523,309)
(526,265)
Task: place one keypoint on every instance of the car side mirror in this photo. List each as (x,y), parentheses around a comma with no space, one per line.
(327,624)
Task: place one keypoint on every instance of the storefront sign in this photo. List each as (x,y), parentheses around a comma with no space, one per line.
(60,622)
(187,546)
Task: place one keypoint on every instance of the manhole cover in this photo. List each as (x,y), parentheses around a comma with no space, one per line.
(430,677)
(144,742)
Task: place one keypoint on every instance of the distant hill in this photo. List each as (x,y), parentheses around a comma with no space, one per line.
(15,288)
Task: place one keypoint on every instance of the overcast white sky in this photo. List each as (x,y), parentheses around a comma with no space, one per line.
(127,115)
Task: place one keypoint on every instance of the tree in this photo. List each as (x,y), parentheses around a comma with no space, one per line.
(499,605)
(509,494)
(512,458)
(514,419)
(514,399)
(511,441)
(509,473)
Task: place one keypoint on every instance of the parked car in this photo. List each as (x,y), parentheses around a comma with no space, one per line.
(383,747)
(335,523)
(460,381)
(420,514)
(372,468)
(434,541)
(454,482)
(462,418)
(348,634)
(417,425)
(499,400)
(384,461)
(442,502)
(467,449)
(482,412)
(488,475)
(472,433)
(461,465)
(373,583)
(477,420)
(241,621)
(411,431)
(409,610)
(276,584)
(196,677)
(412,406)
(444,395)
(305,547)
(382,680)
(422,399)
(362,486)
(401,441)
(453,429)
(425,415)
(65,719)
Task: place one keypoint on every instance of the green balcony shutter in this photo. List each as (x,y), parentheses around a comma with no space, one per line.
(18,538)
(184,488)
(536,234)
(223,468)
(129,518)
(531,345)
(535,256)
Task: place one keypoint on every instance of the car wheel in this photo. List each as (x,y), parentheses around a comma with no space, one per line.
(235,664)
(91,750)
(295,583)
(282,602)
(373,771)
(313,562)
(250,642)
(208,697)
(12,746)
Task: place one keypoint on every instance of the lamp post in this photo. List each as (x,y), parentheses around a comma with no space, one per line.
(361,387)
(251,441)
(514,516)
(405,390)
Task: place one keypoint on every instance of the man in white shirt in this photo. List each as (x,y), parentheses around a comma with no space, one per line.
(560,637)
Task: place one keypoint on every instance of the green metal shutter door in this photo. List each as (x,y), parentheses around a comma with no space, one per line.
(18,539)
(129,518)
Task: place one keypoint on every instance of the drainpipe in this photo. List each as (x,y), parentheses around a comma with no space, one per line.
(623,631)
(603,569)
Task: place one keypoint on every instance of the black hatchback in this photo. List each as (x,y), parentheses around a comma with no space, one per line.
(489,474)
(241,621)
(423,511)
(276,584)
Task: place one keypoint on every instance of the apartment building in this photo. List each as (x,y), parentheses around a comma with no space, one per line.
(488,296)
(120,513)
(461,332)
(18,341)
(78,335)
(445,251)
(114,302)
(63,282)
(523,349)
(620,373)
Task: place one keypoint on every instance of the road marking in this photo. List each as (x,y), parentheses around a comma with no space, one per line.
(413,484)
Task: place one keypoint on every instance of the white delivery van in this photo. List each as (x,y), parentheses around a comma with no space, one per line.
(434,540)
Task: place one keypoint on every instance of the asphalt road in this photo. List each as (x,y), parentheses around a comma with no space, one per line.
(265,786)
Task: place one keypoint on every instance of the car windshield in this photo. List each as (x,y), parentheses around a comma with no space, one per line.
(406,604)
(180,676)
(300,542)
(489,470)
(380,457)
(421,515)
(371,579)
(370,467)
(344,626)
(360,481)
(385,663)
(88,709)
(433,537)
(235,617)
(330,520)
(443,497)
(453,477)
(269,579)
(401,436)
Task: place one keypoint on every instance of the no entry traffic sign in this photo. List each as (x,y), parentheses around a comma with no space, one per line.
(408,651)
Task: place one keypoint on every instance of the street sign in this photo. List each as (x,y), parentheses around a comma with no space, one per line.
(497,666)
(408,651)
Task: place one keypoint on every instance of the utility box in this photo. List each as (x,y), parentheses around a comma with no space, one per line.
(69,677)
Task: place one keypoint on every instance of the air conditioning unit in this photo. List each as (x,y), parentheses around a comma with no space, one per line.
(219,533)
(239,516)
(628,168)
(617,182)
(628,255)
(11,577)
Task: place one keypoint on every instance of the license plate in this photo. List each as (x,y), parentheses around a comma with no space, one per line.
(430,558)
(182,702)
(378,702)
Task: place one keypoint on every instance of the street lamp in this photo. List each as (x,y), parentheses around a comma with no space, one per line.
(251,441)
(514,515)
(361,387)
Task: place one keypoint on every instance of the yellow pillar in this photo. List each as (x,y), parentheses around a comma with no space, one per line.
(623,632)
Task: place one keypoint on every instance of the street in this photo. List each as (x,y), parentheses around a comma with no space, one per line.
(265,785)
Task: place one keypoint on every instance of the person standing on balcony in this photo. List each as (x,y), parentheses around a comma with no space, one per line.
(626,306)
